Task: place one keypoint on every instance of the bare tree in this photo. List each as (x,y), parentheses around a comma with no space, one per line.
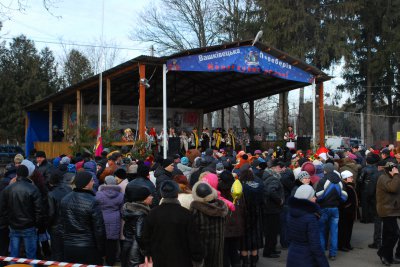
(176,25)
(8,7)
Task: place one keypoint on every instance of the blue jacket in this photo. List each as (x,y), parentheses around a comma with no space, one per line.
(303,234)
(330,193)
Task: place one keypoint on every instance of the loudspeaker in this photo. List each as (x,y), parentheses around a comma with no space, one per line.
(174,144)
(303,143)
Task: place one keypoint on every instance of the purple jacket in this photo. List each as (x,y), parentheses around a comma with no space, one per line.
(111,201)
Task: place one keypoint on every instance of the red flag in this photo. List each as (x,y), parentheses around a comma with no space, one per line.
(99,146)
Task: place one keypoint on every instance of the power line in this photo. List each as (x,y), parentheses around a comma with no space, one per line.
(83,45)
(359,113)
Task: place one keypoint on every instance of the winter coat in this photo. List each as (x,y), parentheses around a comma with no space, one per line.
(273,192)
(134,214)
(287,180)
(330,191)
(185,169)
(56,194)
(253,196)
(110,201)
(45,169)
(349,208)
(352,166)
(367,181)
(388,195)
(168,224)
(209,219)
(161,176)
(22,205)
(305,246)
(8,176)
(82,220)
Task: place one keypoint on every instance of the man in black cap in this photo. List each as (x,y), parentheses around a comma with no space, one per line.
(164,173)
(168,224)
(84,236)
(43,166)
(21,210)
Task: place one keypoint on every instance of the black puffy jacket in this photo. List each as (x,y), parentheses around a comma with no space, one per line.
(22,205)
(82,220)
(274,195)
(54,197)
(133,214)
(367,181)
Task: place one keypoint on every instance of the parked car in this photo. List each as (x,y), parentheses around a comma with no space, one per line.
(8,152)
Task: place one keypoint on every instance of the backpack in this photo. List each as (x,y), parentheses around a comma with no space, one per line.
(236,190)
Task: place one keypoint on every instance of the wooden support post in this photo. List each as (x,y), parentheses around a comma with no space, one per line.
(321,116)
(78,111)
(251,130)
(50,121)
(142,102)
(26,124)
(108,104)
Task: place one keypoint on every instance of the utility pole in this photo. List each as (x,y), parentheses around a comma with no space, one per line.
(152,50)
(362,128)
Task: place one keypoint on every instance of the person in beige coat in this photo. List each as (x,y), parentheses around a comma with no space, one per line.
(388,207)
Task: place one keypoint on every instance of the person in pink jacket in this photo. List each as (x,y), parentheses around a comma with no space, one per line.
(212,179)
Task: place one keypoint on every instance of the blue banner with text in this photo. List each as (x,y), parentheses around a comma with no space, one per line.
(246,59)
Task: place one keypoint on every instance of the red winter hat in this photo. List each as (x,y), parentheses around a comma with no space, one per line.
(308,167)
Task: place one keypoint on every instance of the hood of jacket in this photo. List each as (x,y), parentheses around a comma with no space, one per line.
(217,208)
(301,207)
(111,191)
(90,166)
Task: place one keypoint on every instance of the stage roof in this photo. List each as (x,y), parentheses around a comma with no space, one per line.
(207,90)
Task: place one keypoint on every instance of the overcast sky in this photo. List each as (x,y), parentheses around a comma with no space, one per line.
(80,22)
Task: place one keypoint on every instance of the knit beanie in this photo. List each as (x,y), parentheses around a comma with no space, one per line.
(372,159)
(65,160)
(31,167)
(166,162)
(304,192)
(185,161)
(143,171)
(169,189)
(296,172)
(302,175)
(346,174)
(110,180)
(328,167)
(203,192)
(82,179)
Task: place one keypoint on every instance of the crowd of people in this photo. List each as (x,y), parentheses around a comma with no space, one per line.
(220,207)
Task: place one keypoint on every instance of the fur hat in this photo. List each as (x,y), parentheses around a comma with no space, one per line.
(82,179)
(133,169)
(203,192)
(305,191)
(31,167)
(169,189)
(40,154)
(18,159)
(120,173)
(136,192)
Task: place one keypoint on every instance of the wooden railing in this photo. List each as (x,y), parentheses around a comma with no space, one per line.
(54,149)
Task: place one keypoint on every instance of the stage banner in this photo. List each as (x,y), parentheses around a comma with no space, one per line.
(245,59)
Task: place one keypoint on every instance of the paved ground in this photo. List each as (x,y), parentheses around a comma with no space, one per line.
(360,256)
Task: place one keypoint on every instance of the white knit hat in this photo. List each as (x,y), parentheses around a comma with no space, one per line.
(346,174)
(304,192)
